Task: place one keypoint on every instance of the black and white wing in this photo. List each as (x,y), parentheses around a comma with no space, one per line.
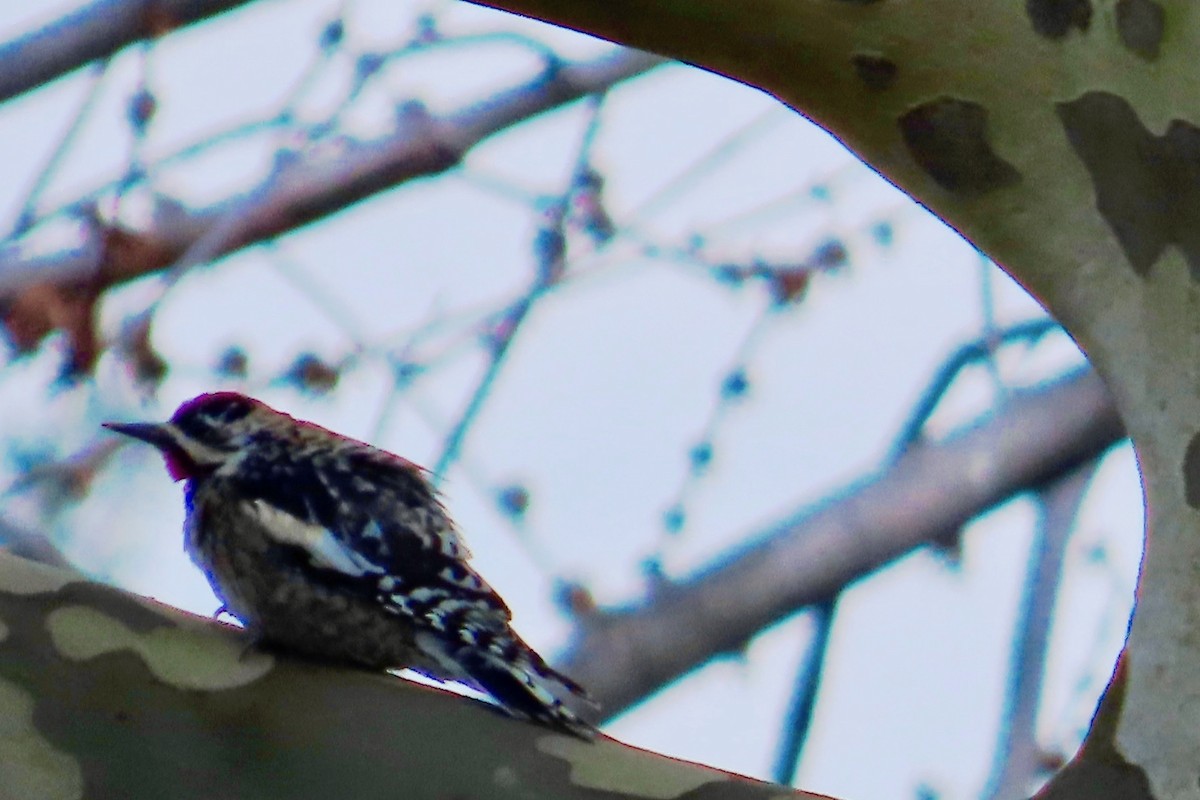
(370,523)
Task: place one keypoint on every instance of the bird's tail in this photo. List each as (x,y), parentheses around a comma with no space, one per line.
(523,685)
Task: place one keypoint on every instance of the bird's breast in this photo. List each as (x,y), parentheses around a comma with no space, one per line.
(274,590)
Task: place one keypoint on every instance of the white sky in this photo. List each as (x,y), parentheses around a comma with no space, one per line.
(610,384)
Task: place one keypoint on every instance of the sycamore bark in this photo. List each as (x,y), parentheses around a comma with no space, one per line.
(1062,137)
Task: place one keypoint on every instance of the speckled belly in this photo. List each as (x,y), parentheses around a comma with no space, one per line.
(257,582)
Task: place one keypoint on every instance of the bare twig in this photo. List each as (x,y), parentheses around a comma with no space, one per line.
(1029,332)
(1018,758)
(549,266)
(804,696)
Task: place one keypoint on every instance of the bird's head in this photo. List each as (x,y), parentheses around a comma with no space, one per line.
(204,433)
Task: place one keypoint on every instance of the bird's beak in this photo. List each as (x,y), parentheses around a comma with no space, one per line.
(155,433)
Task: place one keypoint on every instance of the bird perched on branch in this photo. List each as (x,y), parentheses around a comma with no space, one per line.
(334,549)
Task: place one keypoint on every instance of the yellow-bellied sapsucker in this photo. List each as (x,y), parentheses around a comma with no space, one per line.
(337,550)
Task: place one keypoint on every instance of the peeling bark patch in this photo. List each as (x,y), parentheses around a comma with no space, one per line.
(607,767)
(1191,472)
(1147,187)
(1140,24)
(1054,19)
(877,72)
(948,138)
(30,767)
(191,659)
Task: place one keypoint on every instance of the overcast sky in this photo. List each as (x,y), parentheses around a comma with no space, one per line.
(612,381)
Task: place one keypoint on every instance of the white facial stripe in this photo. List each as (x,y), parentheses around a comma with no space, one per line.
(322,546)
(197,451)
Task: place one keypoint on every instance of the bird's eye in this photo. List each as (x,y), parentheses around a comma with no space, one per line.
(207,416)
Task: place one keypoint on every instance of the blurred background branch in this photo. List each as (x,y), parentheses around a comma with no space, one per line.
(1039,437)
(94,31)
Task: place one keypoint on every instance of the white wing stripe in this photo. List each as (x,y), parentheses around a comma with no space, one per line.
(323,547)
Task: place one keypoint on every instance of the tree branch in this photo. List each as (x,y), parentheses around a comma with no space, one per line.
(92,32)
(90,674)
(622,655)
(626,654)
(45,292)
(301,190)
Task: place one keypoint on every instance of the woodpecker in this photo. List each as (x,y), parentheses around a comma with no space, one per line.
(331,548)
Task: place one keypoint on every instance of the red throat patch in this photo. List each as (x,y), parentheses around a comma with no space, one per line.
(179,466)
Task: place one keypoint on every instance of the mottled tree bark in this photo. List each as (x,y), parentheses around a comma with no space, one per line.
(105,694)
